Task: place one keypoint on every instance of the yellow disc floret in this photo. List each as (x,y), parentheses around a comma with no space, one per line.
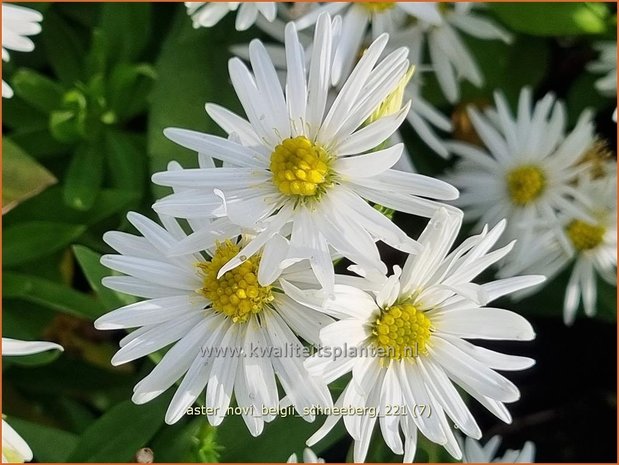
(393,102)
(237,293)
(525,184)
(585,236)
(402,331)
(300,167)
(377,7)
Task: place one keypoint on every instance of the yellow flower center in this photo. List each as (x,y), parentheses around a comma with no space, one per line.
(237,293)
(377,7)
(525,184)
(301,168)
(393,102)
(402,331)
(585,236)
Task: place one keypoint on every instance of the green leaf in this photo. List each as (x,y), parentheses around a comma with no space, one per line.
(24,320)
(49,445)
(179,100)
(42,358)
(240,446)
(120,432)
(126,156)
(59,380)
(553,19)
(175,443)
(39,143)
(95,272)
(128,87)
(127,27)
(63,48)
(607,302)
(50,294)
(21,116)
(69,124)
(22,176)
(49,206)
(64,126)
(583,95)
(527,64)
(96,60)
(84,176)
(24,242)
(85,14)
(74,414)
(38,90)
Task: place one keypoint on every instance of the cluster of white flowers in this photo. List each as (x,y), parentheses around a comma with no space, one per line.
(239,279)
(556,188)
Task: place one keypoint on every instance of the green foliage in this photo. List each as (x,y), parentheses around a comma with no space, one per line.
(50,294)
(84,176)
(25,242)
(39,91)
(553,19)
(238,445)
(106,440)
(128,29)
(22,176)
(95,272)
(52,445)
(199,53)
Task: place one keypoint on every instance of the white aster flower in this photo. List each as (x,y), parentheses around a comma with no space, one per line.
(383,17)
(474,452)
(302,168)
(207,14)
(594,246)
(208,322)
(404,340)
(17,24)
(607,64)
(450,58)
(308,457)
(14,448)
(588,242)
(423,116)
(527,169)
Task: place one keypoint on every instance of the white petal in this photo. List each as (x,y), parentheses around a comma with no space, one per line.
(12,347)
(484,380)
(221,380)
(372,135)
(485,323)
(370,164)
(215,146)
(150,312)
